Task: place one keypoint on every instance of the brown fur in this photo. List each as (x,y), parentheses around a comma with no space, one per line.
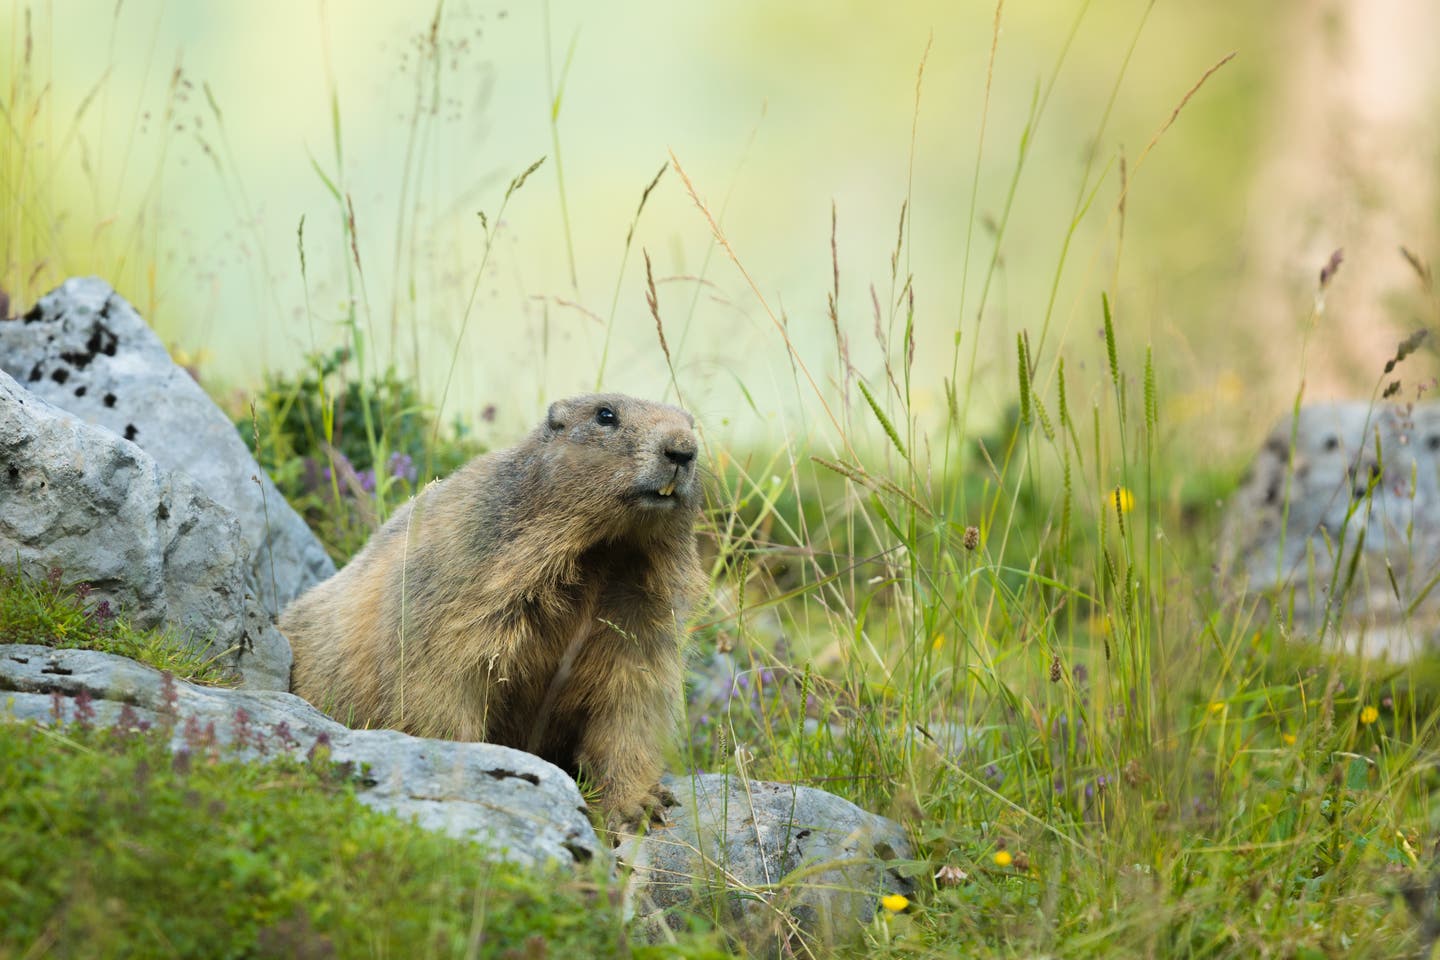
(533,599)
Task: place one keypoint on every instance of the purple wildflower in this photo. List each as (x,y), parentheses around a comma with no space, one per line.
(169,696)
(320,750)
(128,721)
(244,733)
(101,615)
(283,734)
(402,466)
(84,709)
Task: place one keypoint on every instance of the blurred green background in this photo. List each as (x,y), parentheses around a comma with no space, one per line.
(175,148)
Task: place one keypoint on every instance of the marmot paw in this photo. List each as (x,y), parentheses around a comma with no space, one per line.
(645,809)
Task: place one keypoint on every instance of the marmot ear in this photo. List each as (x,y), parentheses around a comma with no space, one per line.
(552,417)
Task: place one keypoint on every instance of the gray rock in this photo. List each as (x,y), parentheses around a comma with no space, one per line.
(1361,496)
(519,807)
(779,864)
(86,351)
(148,540)
(776,863)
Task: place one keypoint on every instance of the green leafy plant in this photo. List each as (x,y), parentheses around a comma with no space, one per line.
(343,450)
(51,612)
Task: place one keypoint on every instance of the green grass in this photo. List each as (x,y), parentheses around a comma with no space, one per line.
(112,847)
(55,614)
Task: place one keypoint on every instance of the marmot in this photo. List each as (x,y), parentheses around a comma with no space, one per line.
(533,599)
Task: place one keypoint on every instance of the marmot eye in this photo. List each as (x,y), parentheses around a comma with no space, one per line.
(606,417)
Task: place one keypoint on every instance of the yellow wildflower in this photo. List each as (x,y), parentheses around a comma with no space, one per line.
(1216,706)
(1369,715)
(1003,858)
(1289,739)
(894,902)
(939,642)
(187,359)
(1121,499)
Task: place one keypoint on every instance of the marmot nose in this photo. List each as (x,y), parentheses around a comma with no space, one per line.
(681,454)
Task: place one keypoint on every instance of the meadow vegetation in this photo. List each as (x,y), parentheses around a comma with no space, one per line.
(1005,633)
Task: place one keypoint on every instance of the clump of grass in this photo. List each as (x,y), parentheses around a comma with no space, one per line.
(65,616)
(308,431)
(98,857)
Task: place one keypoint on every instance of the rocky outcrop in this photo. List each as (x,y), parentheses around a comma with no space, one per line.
(144,490)
(518,806)
(147,539)
(781,865)
(778,865)
(1343,528)
(84,349)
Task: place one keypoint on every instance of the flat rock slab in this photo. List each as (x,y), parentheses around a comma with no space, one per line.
(778,865)
(520,808)
(1344,528)
(84,349)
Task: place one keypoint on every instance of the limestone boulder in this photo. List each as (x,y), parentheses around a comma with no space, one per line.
(148,540)
(1343,526)
(84,349)
(788,869)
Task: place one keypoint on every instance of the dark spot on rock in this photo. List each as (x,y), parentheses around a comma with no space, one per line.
(163,513)
(57,670)
(1276,446)
(34,314)
(802,834)
(35,374)
(582,854)
(13,473)
(21,659)
(131,432)
(1272,492)
(102,340)
(1331,442)
(80,391)
(77,359)
(1433,441)
(59,375)
(105,310)
(108,400)
(500,773)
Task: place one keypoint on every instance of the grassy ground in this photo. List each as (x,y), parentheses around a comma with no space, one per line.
(99,856)
(1002,632)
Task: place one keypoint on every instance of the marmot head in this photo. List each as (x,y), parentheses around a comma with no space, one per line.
(628,454)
